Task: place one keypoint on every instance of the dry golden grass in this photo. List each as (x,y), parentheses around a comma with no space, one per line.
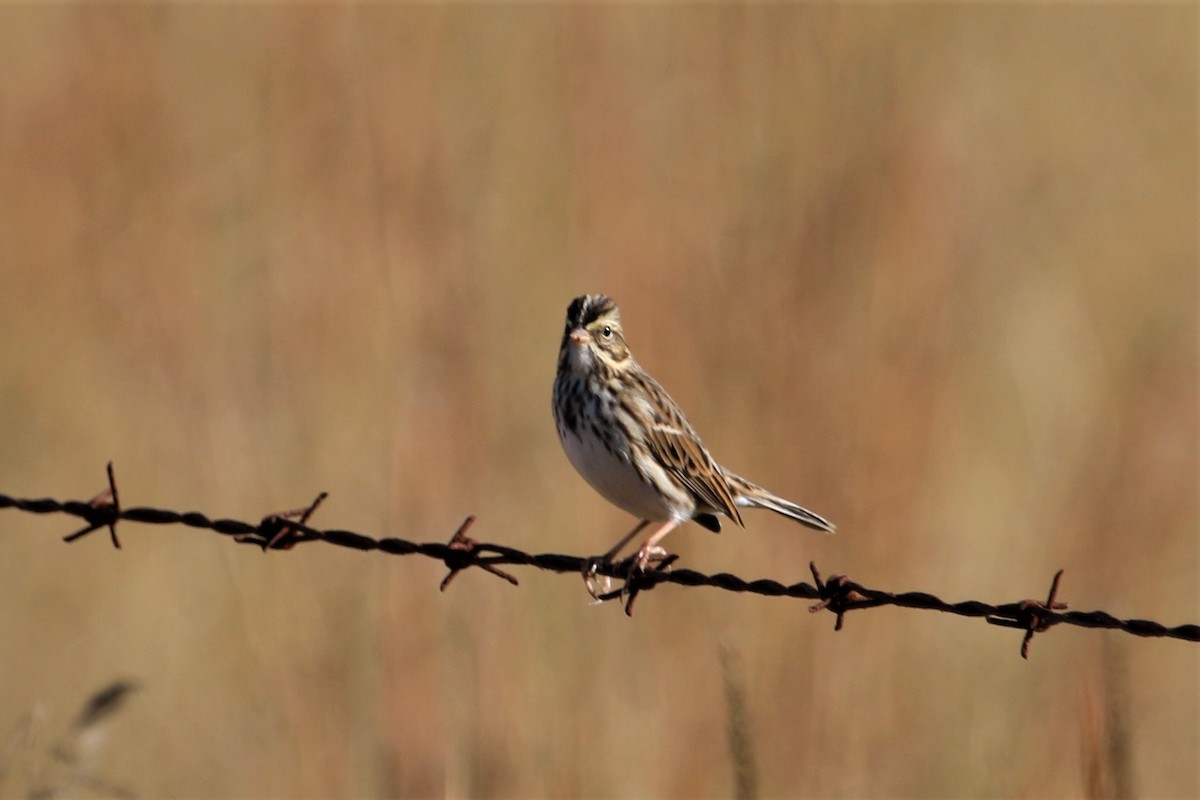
(930,270)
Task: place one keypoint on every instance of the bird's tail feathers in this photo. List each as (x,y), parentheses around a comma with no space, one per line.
(752,496)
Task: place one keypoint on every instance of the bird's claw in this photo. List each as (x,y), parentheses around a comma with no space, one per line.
(599,586)
(647,556)
(596,584)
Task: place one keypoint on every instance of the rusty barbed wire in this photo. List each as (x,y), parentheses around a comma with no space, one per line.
(837,593)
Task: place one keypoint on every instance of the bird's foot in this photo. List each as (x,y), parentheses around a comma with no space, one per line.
(597,585)
(648,555)
(651,558)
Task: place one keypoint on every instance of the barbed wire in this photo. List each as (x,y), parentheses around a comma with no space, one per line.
(837,594)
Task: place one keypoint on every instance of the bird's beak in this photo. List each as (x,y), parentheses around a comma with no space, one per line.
(579,336)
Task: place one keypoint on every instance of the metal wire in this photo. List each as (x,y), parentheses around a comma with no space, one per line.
(837,593)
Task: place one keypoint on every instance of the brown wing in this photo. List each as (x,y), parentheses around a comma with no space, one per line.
(674,444)
(684,457)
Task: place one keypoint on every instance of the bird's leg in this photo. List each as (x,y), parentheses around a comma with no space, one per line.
(650,550)
(592,564)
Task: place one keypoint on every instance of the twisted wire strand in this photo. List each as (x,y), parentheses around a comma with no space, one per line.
(837,594)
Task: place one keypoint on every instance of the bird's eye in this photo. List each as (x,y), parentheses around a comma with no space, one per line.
(607,332)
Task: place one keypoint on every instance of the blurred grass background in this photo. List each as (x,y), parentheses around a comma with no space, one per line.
(929,270)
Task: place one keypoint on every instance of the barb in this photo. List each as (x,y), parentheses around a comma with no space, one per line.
(1036,617)
(837,594)
(103,510)
(467,548)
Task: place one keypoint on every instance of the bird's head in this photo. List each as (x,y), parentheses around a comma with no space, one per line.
(593,335)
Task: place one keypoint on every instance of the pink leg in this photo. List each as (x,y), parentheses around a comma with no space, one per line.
(640,562)
(648,549)
(596,588)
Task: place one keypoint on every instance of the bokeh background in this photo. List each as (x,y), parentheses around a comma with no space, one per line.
(929,270)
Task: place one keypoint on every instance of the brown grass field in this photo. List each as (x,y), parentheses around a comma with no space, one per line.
(930,270)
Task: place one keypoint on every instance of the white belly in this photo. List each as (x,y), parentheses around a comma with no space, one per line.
(614,477)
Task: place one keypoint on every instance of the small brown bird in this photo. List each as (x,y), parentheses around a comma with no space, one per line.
(625,435)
